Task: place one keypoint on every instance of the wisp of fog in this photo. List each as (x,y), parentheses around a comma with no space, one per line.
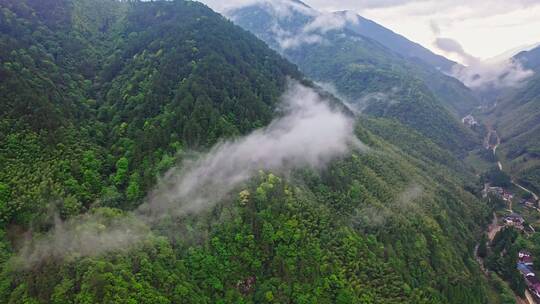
(309,133)
(484,73)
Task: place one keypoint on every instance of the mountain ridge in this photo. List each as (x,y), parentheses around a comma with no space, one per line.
(359,66)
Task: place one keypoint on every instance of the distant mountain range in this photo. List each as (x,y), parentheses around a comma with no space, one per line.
(379,72)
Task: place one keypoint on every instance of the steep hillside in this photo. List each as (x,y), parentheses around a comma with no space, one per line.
(398,43)
(529,59)
(100,98)
(516,118)
(374,79)
(426,65)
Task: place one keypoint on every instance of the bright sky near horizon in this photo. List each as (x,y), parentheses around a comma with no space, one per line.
(485,29)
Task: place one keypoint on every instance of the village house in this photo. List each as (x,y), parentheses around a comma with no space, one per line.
(533,283)
(524,266)
(469,121)
(525,258)
(514,219)
(496,190)
(507,195)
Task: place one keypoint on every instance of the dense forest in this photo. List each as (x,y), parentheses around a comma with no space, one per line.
(99,98)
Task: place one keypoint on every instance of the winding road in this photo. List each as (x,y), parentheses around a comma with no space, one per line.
(499,164)
(535,196)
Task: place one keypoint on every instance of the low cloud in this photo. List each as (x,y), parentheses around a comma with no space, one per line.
(358,105)
(378,98)
(289,40)
(313,32)
(377,216)
(482,74)
(502,74)
(87,235)
(325,22)
(289,34)
(309,133)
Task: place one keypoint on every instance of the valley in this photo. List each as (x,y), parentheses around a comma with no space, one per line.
(511,192)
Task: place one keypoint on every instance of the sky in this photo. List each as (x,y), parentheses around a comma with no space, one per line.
(485,29)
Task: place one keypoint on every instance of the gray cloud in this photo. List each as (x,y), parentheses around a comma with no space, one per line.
(452,46)
(308,134)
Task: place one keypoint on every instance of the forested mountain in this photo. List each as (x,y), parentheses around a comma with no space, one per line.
(99,98)
(449,90)
(330,48)
(517,120)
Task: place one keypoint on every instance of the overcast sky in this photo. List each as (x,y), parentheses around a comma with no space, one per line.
(485,28)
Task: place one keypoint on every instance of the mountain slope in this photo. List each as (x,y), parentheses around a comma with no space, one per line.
(517,117)
(529,59)
(449,90)
(398,43)
(381,225)
(375,80)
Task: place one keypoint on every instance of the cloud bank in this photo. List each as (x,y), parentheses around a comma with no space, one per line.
(309,133)
(482,74)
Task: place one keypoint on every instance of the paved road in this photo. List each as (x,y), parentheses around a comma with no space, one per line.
(529,297)
(535,196)
(499,164)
